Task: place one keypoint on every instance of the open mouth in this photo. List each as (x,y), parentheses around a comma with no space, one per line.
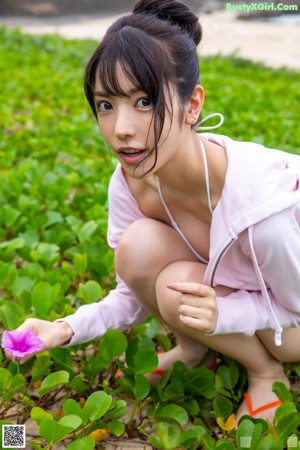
(137,152)
(132,156)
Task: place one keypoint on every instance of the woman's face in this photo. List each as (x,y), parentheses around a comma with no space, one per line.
(126,123)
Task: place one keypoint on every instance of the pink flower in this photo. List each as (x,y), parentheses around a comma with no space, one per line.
(21,343)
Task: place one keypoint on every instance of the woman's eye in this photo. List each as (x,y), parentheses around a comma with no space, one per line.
(103,106)
(143,102)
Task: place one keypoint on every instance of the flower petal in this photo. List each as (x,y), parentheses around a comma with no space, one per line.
(21,343)
(229,424)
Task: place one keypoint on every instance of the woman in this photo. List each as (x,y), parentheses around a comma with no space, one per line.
(206,229)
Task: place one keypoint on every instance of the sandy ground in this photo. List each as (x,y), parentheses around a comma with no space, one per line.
(275,44)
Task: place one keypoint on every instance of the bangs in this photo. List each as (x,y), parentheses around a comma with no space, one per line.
(133,51)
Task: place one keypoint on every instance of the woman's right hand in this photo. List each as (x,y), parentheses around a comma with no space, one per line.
(53,334)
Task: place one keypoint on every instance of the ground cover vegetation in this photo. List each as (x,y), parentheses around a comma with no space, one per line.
(54,173)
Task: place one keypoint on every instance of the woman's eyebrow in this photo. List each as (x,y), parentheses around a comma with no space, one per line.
(101,94)
(131,92)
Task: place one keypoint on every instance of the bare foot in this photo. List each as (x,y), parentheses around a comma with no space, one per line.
(178,353)
(260,392)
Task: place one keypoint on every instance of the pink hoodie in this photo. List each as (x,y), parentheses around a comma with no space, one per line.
(254,247)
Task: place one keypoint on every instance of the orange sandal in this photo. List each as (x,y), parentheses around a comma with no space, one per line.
(252,411)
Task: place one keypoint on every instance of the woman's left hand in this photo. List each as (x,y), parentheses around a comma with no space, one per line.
(198,306)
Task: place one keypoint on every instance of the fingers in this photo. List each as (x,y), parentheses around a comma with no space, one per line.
(198,306)
(203,319)
(198,289)
(201,324)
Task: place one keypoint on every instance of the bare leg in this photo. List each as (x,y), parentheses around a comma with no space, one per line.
(151,255)
(262,367)
(145,249)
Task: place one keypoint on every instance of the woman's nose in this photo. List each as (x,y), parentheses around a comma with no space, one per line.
(124,126)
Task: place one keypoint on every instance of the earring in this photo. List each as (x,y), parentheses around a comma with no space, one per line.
(194,120)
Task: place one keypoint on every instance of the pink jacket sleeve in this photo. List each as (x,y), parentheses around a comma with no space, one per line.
(246,312)
(120,309)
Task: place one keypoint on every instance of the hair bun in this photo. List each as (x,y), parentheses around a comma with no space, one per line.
(174,12)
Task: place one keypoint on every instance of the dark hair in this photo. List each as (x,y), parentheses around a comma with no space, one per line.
(156,48)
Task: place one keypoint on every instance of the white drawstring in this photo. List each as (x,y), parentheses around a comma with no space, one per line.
(278,328)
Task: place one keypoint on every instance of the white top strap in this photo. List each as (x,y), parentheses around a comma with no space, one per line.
(176,226)
(206,176)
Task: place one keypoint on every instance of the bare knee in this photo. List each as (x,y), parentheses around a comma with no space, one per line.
(168,300)
(146,247)
(133,249)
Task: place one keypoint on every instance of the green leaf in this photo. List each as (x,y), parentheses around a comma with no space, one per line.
(173,391)
(21,284)
(112,344)
(70,406)
(87,230)
(173,412)
(149,328)
(44,296)
(117,428)
(7,274)
(53,432)
(282,392)
(10,215)
(201,382)
(39,415)
(223,407)
(97,405)
(36,444)
(224,444)
(8,247)
(145,361)
(46,253)
(284,410)
(53,217)
(91,291)
(168,435)
(192,436)
(63,360)
(11,315)
(40,367)
(86,443)
(52,381)
(80,264)
(30,237)
(141,387)
(118,409)
(78,384)
(6,379)
(269,442)
(17,385)
(286,420)
(71,420)
(192,407)
(248,434)
(229,375)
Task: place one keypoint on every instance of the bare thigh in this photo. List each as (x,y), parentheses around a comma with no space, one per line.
(289,351)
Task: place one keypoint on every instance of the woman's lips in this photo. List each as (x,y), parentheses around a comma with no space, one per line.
(132,156)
